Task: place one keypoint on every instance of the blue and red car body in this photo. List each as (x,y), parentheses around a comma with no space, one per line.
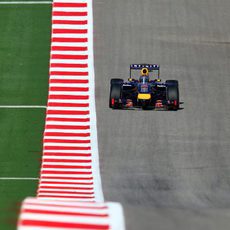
(143,92)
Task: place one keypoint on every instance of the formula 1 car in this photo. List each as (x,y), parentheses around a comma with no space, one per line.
(144,89)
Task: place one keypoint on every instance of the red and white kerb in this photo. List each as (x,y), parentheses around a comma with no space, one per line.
(70,186)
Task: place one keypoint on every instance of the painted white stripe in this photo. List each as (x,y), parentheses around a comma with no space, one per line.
(18,178)
(73,35)
(70,9)
(69,151)
(69,18)
(69,52)
(73,1)
(67,144)
(63,175)
(67,138)
(66,180)
(76,69)
(23,106)
(42,190)
(72,44)
(69,77)
(66,198)
(65,203)
(117,220)
(66,116)
(65,186)
(65,158)
(25,2)
(69,35)
(68,108)
(66,123)
(68,101)
(69,85)
(69,26)
(68,209)
(70,93)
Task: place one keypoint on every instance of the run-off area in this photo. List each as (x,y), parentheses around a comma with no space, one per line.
(24,58)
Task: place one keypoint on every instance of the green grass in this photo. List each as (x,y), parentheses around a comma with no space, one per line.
(21,141)
(14,192)
(24,53)
(24,60)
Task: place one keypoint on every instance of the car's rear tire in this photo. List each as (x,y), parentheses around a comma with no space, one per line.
(116,81)
(172,95)
(172,82)
(115,93)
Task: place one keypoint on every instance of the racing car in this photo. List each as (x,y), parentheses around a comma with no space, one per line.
(144,89)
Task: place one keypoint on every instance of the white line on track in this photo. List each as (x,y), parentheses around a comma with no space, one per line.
(25,2)
(22,106)
(18,178)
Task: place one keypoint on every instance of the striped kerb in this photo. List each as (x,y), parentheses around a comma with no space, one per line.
(69,194)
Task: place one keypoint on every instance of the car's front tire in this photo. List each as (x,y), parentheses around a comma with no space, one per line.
(115,93)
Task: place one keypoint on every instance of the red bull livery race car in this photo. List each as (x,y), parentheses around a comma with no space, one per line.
(144,89)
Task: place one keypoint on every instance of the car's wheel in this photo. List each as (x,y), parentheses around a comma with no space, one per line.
(172,82)
(116,81)
(115,94)
(172,95)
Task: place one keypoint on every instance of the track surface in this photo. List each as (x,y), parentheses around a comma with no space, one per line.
(170,170)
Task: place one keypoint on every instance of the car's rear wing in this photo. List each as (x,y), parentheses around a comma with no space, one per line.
(148,66)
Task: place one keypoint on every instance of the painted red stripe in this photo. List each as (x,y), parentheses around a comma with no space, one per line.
(57,167)
(65,178)
(45,171)
(54,224)
(67,56)
(65,148)
(69,73)
(75,89)
(69,31)
(52,167)
(68,183)
(74,97)
(69,39)
(56,134)
(62,4)
(68,119)
(66,161)
(66,141)
(63,13)
(69,48)
(70,22)
(67,112)
(68,104)
(64,187)
(49,212)
(63,154)
(56,171)
(74,81)
(63,65)
(67,192)
(76,127)
(69,197)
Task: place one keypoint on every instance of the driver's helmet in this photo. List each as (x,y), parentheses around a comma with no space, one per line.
(144,78)
(144,72)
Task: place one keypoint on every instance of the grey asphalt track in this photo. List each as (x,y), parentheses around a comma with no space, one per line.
(170,170)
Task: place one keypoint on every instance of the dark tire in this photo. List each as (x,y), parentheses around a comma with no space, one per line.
(172,82)
(172,94)
(115,94)
(116,81)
